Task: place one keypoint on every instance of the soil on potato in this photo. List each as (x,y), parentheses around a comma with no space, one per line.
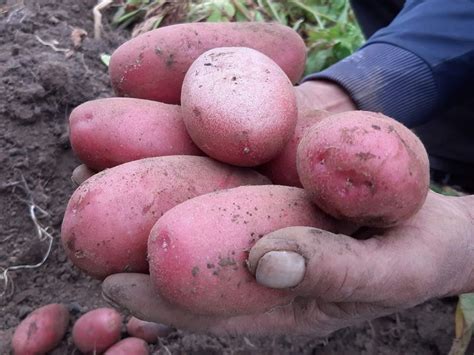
(42,77)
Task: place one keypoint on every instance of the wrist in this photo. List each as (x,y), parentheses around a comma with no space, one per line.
(468,206)
(323,95)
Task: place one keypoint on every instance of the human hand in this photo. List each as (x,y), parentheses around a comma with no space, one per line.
(337,280)
(321,95)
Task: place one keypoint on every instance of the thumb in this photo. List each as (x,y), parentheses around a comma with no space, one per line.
(338,268)
(81,173)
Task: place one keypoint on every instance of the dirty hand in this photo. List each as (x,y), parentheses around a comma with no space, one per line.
(321,95)
(336,280)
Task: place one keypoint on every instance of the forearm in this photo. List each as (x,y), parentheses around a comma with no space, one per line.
(420,63)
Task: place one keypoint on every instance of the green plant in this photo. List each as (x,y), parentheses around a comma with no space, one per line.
(327,26)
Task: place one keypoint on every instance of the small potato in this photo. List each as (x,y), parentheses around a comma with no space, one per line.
(238,106)
(129,346)
(97,330)
(108,218)
(281,170)
(108,132)
(41,331)
(148,331)
(152,65)
(198,250)
(365,168)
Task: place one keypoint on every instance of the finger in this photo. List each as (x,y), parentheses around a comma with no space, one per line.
(390,271)
(81,173)
(134,293)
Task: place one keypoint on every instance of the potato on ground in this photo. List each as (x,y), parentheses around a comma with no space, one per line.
(97,330)
(281,170)
(365,168)
(148,331)
(41,331)
(108,218)
(129,346)
(197,251)
(109,132)
(238,106)
(152,65)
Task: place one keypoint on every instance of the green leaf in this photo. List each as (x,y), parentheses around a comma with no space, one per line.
(129,16)
(158,21)
(105,59)
(228,9)
(215,16)
(466,302)
(259,17)
(341,51)
(464,321)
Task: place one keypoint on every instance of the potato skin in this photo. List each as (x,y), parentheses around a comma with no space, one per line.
(108,132)
(152,65)
(41,331)
(129,346)
(281,170)
(108,218)
(197,251)
(97,330)
(238,106)
(148,331)
(365,168)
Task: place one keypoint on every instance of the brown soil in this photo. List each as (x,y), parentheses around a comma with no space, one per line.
(38,88)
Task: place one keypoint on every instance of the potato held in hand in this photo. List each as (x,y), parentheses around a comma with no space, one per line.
(198,250)
(365,168)
(108,218)
(108,132)
(238,106)
(281,170)
(152,65)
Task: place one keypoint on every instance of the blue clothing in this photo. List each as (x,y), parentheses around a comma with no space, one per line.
(420,64)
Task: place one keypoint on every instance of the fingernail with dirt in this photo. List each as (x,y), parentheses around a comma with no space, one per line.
(280,269)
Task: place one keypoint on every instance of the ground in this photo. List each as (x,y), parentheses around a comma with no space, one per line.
(39,86)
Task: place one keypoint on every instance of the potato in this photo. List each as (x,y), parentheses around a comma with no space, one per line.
(152,65)
(148,331)
(365,168)
(238,106)
(109,132)
(281,170)
(108,218)
(41,331)
(97,330)
(197,251)
(129,346)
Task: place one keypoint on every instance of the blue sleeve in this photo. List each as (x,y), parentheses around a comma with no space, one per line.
(422,62)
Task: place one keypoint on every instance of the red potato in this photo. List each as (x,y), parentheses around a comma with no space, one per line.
(148,331)
(108,218)
(129,346)
(152,65)
(41,331)
(108,132)
(281,170)
(197,251)
(365,168)
(238,106)
(97,330)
